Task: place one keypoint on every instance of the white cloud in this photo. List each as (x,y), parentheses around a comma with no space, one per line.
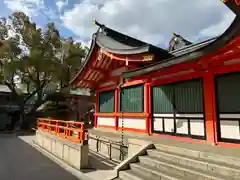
(34,9)
(29,7)
(61,4)
(79,19)
(213,30)
(83,43)
(151,21)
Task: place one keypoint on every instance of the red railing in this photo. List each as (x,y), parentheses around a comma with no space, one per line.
(74,131)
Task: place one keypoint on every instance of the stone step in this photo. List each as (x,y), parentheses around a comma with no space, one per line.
(130,175)
(154,173)
(181,171)
(201,154)
(206,166)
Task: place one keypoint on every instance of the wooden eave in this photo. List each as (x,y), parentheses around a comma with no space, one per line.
(111,50)
(101,64)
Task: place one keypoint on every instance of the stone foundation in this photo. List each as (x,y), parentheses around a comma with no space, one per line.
(74,154)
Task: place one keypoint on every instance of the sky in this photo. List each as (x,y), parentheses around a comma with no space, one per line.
(152,21)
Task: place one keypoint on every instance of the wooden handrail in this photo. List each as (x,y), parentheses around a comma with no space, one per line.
(71,130)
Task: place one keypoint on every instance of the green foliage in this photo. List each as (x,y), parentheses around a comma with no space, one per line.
(37,58)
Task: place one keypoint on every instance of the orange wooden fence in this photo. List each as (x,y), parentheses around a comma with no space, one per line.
(74,131)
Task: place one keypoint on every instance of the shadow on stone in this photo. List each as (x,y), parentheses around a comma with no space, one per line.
(19,160)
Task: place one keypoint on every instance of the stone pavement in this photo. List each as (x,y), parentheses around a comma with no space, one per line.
(20,161)
(100,165)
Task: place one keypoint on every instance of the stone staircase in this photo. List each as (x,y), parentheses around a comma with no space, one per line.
(179,163)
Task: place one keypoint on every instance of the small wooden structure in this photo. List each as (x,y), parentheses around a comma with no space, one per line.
(9,108)
(67,106)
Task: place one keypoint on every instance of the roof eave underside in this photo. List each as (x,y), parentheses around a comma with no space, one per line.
(86,61)
(123,50)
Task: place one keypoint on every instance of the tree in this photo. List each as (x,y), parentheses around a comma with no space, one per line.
(70,53)
(41,60)
(9,50)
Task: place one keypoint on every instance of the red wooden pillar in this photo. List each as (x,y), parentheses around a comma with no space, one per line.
(96,110)
(116,107)
(147,107)
(210,107)
(150,119)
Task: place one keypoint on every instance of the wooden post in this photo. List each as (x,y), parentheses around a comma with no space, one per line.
(210,107)
(147,107)
(116,107)
(96,110)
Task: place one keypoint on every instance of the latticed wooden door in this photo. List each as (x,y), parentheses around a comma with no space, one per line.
(228,106)
(132,99)
(178,108)
(106,101)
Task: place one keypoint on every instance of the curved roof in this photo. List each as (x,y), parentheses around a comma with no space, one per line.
(120,44)
(195,51)
(116,47)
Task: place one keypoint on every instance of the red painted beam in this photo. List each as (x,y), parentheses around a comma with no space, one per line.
(130,58)
(100,70)
(115,79)
(90,82)
(219,60)
(169,70)
(134,82)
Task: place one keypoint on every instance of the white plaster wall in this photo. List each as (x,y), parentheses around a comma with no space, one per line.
(107,121)
(168,122)
(182,126)
(197,127)
(169,125)
(230,129)
(134,123)
(158,124)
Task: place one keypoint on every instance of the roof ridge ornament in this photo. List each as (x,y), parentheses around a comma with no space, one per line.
(98,24)
(177,42)
(101,26)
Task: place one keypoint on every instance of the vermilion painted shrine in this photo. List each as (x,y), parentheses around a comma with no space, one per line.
(189,92)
